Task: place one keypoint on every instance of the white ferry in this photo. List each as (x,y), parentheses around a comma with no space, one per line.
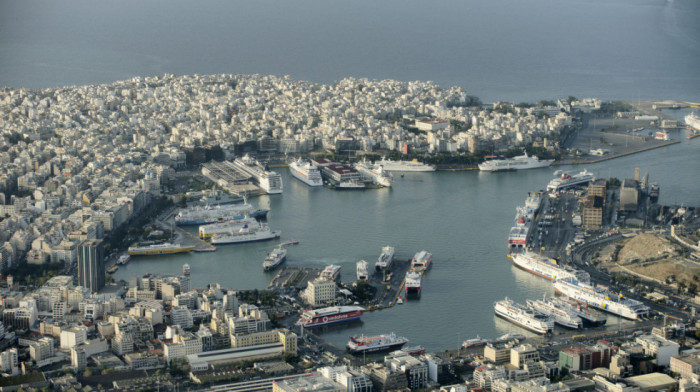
(385,259)
(523,316)
(374,172)
(201,215)
(245,235)
(275,258)
(207,231)
(547,268)
(269,181)
(601,298)
(331,272)
(165,248)
(567,180)
(406,166)
(369,344)
(496,163)
(588,315)
(362,273)
(693,121)
(413,282)
(305,172)
(421,261)
(560,314)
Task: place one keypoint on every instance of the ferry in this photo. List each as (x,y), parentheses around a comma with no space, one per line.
(201,215)
(245,235)
(331,272)
(547,268)
(305,172)
(510,336)
(208,231)
(274,258)
(654,192)
(661,135)
(374,172)
(385,259)
(498,163)
(370,344)
(421,261)
(693,121)
(413,350)
(413,282)
(362,274)
(590,317)
(523,316)
(330,315)
(123,259)
(269,181)
(212,197)
(567,180)
(186,269)
(517,236)
(476,342)
(601,298)
(406,166)
(560,314)
(165,248)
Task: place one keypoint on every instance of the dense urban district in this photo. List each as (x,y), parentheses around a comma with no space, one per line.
(93,175)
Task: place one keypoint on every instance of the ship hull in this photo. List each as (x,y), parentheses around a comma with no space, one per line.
(333,319)
(296,173)
(377,349)
(258,214)
(631,310)
(244,239)
(157,252)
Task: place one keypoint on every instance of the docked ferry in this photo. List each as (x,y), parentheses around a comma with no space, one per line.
(385,259)
(274,258)
(269,181)
(523,316)
(201,215)
(560,314)
(517,236)
(407,166)
(370,344)
(413,282)
(601,298)
(567,180)
(330,315)
(362,273)
(374,172)
(497,163)
(165,248)
(245,235)
(208,231)
(547,268)
(588,315)
(305,172)
(331,272)
(421,261)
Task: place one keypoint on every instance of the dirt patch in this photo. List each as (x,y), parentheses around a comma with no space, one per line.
(646,247)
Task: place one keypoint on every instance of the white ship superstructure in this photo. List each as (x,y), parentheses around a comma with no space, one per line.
(421,261)
(521,162)
(269,181)
(245,235)
(374,172)
(201,215)
(385,259)
(567,180)
(413,282)
(407,166)
(523,316)
(305,172)
(693,121)
(601,298)
(207,231)
(546,267)
(560,314)
(587,315)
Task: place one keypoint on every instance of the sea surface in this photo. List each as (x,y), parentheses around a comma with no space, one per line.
(510,50)
(462,218)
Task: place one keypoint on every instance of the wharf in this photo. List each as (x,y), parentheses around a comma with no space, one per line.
(388,291)
(613,156)
(293,277)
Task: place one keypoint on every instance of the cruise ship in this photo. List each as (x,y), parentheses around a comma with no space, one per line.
(165,248)
(330,315)
(567,180)
(208,231)
(245,235)
(274,258)
(693,121)
(560,314)
(413,282)
(495,163)
(305,172)
(385,259)
(523,316)
(547,268)
(202,215)
(421,261)
(601,298)
(331,272)
(406,166)
(374,172)
(269,181)
(370,344)
(362,273)
(587,315)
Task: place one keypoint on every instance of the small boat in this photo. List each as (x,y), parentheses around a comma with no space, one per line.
(113,269)
(186,269)
(290,242)
(123,259)
(399,300)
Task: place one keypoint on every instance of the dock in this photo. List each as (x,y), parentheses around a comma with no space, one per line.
(293,277)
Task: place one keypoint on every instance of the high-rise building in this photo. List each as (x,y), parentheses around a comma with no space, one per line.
(91,265)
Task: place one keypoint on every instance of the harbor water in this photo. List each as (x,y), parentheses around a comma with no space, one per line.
(462,218)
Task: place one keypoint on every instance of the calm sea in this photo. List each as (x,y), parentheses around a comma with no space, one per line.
(510,50)
(462,218)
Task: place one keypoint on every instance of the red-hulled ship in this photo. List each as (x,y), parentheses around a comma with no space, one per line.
(330,315)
